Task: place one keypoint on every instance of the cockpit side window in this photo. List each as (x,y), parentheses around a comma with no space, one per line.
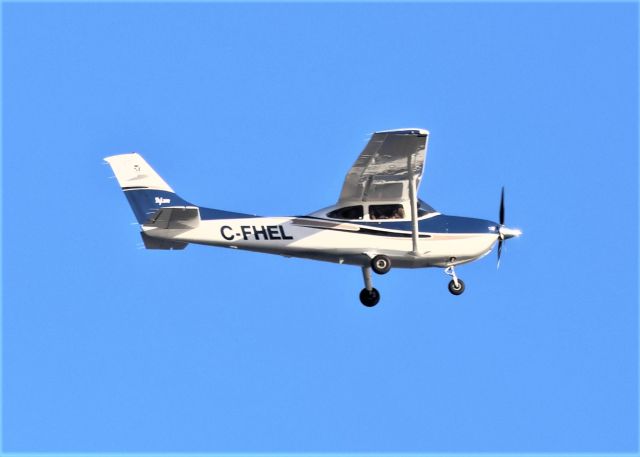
(348,212)
(386,212)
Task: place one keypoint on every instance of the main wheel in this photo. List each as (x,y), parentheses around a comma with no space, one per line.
(381,264)
(369,297)
(456,290)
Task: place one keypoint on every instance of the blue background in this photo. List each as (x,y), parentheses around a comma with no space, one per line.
(262,109)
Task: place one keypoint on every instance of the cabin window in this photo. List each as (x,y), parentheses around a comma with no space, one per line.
(386,212)
(348,212)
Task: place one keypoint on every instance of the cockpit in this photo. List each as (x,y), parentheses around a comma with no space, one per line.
(379,211)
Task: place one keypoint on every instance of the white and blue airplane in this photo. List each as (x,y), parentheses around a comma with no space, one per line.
(378,222)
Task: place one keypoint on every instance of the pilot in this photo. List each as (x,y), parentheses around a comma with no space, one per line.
(398,213)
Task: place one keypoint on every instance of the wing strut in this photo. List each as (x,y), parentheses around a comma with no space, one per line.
(413,200)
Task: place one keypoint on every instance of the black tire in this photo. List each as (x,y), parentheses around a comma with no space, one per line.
(456,290)
(381,264)
(369,298)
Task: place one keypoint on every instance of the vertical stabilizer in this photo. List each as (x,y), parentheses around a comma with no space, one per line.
(145,190)
(133,172)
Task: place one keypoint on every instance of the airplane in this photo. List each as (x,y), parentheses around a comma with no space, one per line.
(378,222)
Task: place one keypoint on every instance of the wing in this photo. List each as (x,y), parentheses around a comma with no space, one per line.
(385,167)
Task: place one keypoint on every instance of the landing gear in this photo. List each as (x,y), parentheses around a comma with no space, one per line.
(381,264)
(456,286)
(369,296)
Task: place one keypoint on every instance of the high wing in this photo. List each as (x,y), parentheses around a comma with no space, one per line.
(386,166)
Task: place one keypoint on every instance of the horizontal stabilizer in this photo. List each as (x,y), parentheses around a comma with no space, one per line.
(175,217)
(151,242)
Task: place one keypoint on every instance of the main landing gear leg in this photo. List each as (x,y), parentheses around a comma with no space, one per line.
(369,296)
(456,286)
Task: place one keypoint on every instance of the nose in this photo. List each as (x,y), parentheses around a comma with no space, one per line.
(506,232)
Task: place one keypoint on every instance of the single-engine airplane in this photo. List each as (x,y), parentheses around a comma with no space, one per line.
(378,222)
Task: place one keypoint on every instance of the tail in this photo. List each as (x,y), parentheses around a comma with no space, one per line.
(145,190)
(148,194)
(155,204)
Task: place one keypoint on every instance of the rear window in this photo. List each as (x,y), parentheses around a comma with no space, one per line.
(348,212)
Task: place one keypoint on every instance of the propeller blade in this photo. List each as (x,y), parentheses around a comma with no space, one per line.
(502,206)
(500,236)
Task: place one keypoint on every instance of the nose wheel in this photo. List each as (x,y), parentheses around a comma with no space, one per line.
(369,296)
(456,289)
(456,285)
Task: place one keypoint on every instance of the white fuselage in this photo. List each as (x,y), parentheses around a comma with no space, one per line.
(333,241)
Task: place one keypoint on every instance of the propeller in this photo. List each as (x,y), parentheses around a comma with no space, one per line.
(500,235)
(504,233)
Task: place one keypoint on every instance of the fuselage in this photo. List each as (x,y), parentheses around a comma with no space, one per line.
(443,240)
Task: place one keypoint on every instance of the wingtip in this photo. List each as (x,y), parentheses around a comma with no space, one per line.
(406,131)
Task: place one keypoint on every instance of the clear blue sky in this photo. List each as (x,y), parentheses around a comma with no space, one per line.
(263,108)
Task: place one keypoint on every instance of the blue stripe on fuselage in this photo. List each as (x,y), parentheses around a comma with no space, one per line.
(212,214)
(436,224)
(439,224)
